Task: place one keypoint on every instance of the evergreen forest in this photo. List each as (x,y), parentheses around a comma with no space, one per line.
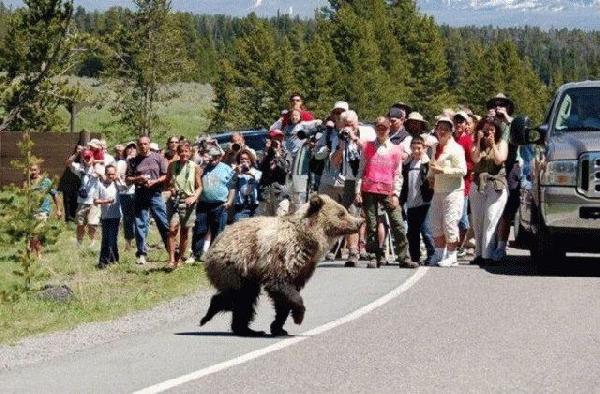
(370,53)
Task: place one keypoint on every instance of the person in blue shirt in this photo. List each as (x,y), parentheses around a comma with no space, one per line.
(42,185)
(218,192)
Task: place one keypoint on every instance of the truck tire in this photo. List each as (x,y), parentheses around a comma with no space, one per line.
(546,255)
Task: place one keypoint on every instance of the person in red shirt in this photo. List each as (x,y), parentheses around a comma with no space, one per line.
(464,138)
(297,103)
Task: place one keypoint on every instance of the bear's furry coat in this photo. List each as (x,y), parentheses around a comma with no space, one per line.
(280,254)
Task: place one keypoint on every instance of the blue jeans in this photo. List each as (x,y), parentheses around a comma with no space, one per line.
(243,212)
(128,209)
(147,203)
(417,227)
(109,251)
(210,217)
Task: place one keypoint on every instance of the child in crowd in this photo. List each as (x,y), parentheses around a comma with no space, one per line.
(108,198)
(416,197)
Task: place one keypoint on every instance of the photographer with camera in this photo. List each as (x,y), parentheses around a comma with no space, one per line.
(500,109)
(275,167)
(237,144)
(489,197)
(338,181)
(184,185)
(87,215)
(246,183)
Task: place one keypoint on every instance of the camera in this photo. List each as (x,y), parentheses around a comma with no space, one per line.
(236,147)
(345,135)
(244,168)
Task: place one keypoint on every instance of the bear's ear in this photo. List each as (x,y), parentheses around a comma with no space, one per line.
(314,205)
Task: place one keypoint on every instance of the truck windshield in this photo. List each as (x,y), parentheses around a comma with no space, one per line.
(579,110)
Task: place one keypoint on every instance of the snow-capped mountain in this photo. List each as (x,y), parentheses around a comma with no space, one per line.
(583,14)
(545,13)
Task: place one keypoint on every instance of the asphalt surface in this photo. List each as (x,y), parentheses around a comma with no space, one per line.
(460,329)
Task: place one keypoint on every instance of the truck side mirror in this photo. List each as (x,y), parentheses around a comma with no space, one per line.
(521,132)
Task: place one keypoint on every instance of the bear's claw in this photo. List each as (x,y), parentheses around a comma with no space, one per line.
(298,315)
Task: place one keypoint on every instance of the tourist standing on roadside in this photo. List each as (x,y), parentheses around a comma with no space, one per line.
(379,181)
(215,199)
(489,197)
(147,171)
(107,197)
(184,184)
(447,169)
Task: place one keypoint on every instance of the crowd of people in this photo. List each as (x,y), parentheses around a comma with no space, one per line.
(435,190)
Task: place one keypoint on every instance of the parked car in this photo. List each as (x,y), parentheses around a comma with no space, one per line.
(255,139)
(560,201)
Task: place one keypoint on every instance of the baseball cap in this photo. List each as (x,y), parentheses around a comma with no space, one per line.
(275,133)
(95,143)
(445,119)
(396,112)
(341,105)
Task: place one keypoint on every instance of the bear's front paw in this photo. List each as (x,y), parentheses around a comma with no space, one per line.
(277,331)
(298,314)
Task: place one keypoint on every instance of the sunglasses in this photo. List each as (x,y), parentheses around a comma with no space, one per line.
(295,100)
(173,142)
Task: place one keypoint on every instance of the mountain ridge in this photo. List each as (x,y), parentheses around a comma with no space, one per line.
(583,14)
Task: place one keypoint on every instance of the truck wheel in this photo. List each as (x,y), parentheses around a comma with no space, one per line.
(546,255)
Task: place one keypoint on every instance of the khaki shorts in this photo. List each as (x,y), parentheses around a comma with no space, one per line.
(181,215)
(446,211)
(87,214)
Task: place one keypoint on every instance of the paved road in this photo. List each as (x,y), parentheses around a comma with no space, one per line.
(462,329)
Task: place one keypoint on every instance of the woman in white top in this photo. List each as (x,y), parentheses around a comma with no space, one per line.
(447,170)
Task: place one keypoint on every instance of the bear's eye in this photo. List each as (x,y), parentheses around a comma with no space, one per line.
(341,214)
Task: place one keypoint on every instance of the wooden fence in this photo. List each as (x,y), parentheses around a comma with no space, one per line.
(53,148)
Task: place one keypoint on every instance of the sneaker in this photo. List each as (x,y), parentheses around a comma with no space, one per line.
(461,252)
(141,260)
(363,254)
(448,262)
(408,263)
(372,264)
(330,256)
(344,253)
(191,259)
(352,259)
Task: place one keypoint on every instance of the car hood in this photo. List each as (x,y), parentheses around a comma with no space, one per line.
(571,145)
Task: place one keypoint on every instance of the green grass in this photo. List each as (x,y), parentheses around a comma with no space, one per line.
(99,294)
(187,113)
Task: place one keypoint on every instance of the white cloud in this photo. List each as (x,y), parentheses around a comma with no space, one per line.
(258,3)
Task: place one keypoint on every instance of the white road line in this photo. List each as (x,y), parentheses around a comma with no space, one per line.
(171,383)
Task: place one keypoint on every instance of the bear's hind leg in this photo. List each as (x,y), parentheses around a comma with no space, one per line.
(220,302)
(244,303)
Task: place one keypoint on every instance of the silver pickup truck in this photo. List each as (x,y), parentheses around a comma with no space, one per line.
(560,195)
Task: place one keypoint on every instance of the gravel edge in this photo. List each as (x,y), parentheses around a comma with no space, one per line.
(44,347)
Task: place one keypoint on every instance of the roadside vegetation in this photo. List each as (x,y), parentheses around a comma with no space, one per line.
(98,294)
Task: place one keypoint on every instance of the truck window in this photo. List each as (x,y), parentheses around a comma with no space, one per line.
(578,110)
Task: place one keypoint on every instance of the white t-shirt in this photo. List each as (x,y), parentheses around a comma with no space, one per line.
(110,192)
(89,181)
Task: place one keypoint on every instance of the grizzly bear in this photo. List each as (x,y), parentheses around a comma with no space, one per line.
(279,253)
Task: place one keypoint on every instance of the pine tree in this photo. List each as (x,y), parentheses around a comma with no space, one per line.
(255,59)
(424,44)
(227,112)
(146,55)
(37,51)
